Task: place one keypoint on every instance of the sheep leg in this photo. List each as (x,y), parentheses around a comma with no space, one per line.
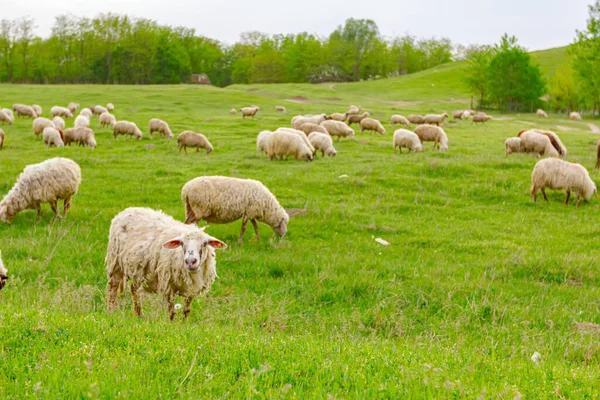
(114,282)
(255,224)
(54,206)
(244,222)
(135,297)
(187,307)
(544,193)
(67,205)
(39,213)
(185,149)
(171,303)
(568,196)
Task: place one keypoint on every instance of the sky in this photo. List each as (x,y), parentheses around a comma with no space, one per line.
(538,24)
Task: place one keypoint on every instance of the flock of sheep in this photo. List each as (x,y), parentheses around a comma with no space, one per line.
(158,254)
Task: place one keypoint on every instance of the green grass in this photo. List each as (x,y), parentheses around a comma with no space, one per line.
(550,60)
(476,280)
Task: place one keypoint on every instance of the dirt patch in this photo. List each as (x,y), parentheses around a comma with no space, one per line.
(294,212)
(594,128)
(503,119)
(587,327)
(363,143)
(150,146)
(527,123)
(333,99)
(253,90)
(565,128)
(299,99)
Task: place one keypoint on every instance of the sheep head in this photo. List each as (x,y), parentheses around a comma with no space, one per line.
(195,246)
(281,229)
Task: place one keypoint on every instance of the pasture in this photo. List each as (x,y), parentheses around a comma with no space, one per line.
(477,277)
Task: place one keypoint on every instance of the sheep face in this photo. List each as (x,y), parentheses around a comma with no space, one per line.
(5,215)
(3,272)
(281,229)
(195,248)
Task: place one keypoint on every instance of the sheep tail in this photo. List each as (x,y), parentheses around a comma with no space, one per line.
(555,144)
(520,133)
(190,217)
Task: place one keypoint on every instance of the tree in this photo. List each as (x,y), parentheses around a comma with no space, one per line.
(563,93)
(357,37)
(476,73)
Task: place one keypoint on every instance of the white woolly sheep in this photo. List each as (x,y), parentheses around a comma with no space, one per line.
(467,115)
(5,118)
(356,118)
(407,139)
(458,114)
(513,145)
(541,113)
(399,119)
(536,143)
(557,174)
(25,111)
(8,112)
(555,140)
(435,119)
(353,110)
(73,107)
(160,126)
(87,112)
(82,122)
(262,141)
(61,112)
(481,118)
(301,135)
(110,107)
(280,109)
(430,133)
(575,116)
(159,255)
(300,120)
(2,136)
(283,144)
(322,141)
(47,182)
(471,112)
(233,111)
(3,273)
(338,117)
(53,137)
(40,123)
(338,129)
(127,128)
(82,136)
(370,124)
(249,111)
(37,108)
(98,110)
(310,127)
(59,123)
(193,139)
(416,119)
(107,119)
(222,200)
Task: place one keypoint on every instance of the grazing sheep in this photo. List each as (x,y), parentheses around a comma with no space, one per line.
(416,119)
(53,137)
(300,120)
(536,143)
(430,133)
(337,128)
(399,119)
(192,139)
(107,119)
(98,110)
(82,136)
(338,117)
(87,112)
(310,127)
(59,123)
(471,112)
(92,108)
(110,107)
(25,111)
(157,125)
(575,116)
(356,118)
(541,113)
(40,123)
(467,115)
(280,109)
(555,140)
(47,182)
(301,135)
(3,273)
(458,114)
(353,110)
(249,112)
(2,135)
(513,145)
(322,141)
(407,139)
(159,255)
(38,109)
(8,112)
(434,119)
(233,111)
(61,112)
(82,122)
(73,107)
(127,128)
(481,118)
(262,141)
(283,144)
(5,118)
(222,200)
(557,174)
(370,124)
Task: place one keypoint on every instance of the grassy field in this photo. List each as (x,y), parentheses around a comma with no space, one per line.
(477,277)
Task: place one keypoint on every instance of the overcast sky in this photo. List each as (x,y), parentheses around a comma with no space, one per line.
(539,24)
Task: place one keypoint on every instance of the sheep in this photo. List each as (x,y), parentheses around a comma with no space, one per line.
(47,182)
(337,128)
(110,107)
(192,139)
(416,119)
(301,135)
(300,120)
(82,136)
(40,123)
(249,112)
(3,273)
(98,110)
(408,139)
(536,143)
(434,119)
(2,135)
(82,122)
(158,255)
(92,108)
(471,112)
(5,118)
(283,144)
(126,128)
(73,107)
(541,113)
(233,111)
(322,141)
(481,118)
(59,123)
(8,112)
(87,112)
(222,200)
(575,116)
(310,127)
(61,112)
(262,141)
(338,117)
(280,109)
(38,109)
(458,114)
(430,133)
(53,137)
(557,174)
(513,145)
(555,140)
(353,110)
(157,125)
(399,119)
(370,124)
(107,119)
(467,115)
(356,118)
(25,111)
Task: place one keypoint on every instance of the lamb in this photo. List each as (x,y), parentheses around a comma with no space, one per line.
(2,135)
(127,128)
(513,145)
(575,116)
(434,119)
(82,122)
(557,174)
(159,255)
(555,140)
(53,137)
(98,110)
(407,139)
(82,136)
(337,128)
(338,117)
(249,112)
(370,124)
(301,135)
(59,123)
(322,141)
(192,139)
(233,111)
(416,119)
(353,110)
(5,118)
(536,143)
(481,118)
(310,127)
(300,120)
(157,125)
(61,112)
(280,109)
(47,182)
(73,107)
(87,112)
(38,109)
(39,124)
(283,144)
(107,119)
(541,113)
(356,118)
(222,200)
(262,141)
(110,107)
(458,114)
(399,119)
(430,133)
(25,111)
(3,273)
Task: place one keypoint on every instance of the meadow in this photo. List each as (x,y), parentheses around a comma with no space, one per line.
(477,277)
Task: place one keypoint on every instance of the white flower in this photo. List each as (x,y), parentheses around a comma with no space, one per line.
(536,357)
(178,306)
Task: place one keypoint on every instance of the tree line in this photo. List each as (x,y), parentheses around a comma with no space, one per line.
(119,49)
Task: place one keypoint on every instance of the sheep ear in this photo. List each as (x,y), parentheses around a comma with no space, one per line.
(216,243)
(173,243)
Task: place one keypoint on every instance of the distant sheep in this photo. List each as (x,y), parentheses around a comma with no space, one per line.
(53,137)
(338,129)
(194,140)
(338,117)
(370,124)
(280,109)
(59,123)
(107,119)
(73,107)
(356,118)
(5,118)
(575,116)
(435,119)
(3,273)
(8,112)
(283,144)
(557,174)
(82,136)
(430,133)
(301,135)
(157,125)
(40,123)
(353,110)
(458,114)
(310,127)
(513,145)
(233,111)
(322,141)
(262,141)
(399,120)
(404,138)
(82,122)
(541,113)
(25,111)
(61,112)
(536,143)
(47,182)
(481,118)
(110,107)
(127,128)
(416,119)
(159,255)
(2,136)
(38,109)
(555,140)
(249,111)
(87,112)
(467,115)
(98,110)
(222,200)
(300,120)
